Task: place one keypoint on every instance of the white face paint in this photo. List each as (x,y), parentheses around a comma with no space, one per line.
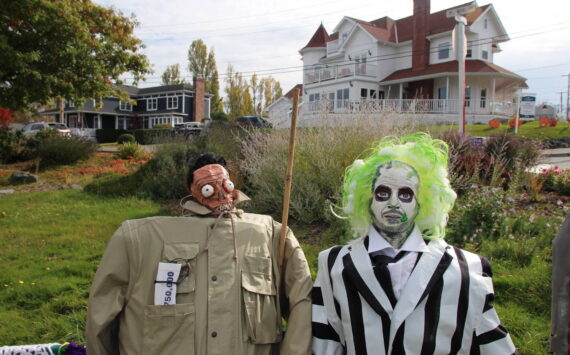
(394,206)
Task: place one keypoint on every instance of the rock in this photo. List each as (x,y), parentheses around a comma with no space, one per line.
(7,192)
(20,177)
(77,187)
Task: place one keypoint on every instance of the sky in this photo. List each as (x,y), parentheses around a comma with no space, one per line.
(265,36)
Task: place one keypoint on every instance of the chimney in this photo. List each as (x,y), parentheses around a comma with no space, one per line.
(198,107)
(420,44)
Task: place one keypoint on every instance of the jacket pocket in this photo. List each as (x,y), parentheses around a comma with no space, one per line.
(169,329)
(185,254)
(260,307)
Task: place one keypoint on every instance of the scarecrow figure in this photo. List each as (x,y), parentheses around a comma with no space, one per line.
(207,283)
(398,287)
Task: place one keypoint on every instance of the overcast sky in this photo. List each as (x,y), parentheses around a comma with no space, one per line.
(265,36)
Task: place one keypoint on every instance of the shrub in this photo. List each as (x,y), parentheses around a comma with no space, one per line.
(129,150)
(108,135)
(126,137)
(544,122)
(494,123)
(513,122)
(162,126)
(152,136)
(219,116)
(55,149)
(15,147)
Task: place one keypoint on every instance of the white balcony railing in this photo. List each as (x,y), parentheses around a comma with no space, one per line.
(504,109)
(339,71)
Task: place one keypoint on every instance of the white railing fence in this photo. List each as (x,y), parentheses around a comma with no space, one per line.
(316,75)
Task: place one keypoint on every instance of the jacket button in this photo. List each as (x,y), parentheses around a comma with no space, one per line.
(214,334)
(214,278)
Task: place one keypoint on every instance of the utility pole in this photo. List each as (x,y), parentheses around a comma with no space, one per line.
(560,107)
(568,99)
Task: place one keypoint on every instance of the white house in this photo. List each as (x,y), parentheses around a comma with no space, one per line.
(279,112)
(409,66)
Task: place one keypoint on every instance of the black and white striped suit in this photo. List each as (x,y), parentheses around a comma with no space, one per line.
(444,308)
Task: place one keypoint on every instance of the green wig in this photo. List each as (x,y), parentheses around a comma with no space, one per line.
(428,157)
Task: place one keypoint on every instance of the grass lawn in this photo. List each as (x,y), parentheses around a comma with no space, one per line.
(51,243)
(50,246)
(528,130)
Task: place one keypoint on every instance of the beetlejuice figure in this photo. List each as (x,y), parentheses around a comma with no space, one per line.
(398,287)
(206,283)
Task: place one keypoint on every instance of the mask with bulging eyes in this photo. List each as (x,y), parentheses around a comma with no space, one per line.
(394,205)
(213,188)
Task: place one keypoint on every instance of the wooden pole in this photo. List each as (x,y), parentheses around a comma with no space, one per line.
(288,178)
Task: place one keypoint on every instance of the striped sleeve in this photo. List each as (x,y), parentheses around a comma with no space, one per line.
(490,336)
(326,340)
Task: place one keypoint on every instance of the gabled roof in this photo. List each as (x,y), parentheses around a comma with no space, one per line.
(319,39)
(291,92)
(471,67)
(396,31)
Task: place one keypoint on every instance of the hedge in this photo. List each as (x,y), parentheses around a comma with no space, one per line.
(151,136)
(108,135)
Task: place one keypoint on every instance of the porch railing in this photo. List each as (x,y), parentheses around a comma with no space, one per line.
(411,106)
(316,75)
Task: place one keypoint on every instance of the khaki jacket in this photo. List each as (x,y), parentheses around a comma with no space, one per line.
(226,306)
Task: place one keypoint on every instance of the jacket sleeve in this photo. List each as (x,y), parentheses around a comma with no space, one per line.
(490,336)
(107,297)
(326,340)
(297,291)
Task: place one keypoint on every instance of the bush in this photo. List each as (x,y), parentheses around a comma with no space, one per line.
(108,135)
(55,149)
(15,147)
(162,126)
(219,116)
(126,137)
(129,150)
(152,136)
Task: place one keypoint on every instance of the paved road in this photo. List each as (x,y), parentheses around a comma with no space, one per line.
(560,157)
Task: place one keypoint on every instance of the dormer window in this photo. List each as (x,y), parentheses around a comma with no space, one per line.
(124,106)
(485,55)
(344,36)
(485,24)
(443,50)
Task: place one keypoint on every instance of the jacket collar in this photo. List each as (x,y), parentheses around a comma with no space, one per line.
(190,205)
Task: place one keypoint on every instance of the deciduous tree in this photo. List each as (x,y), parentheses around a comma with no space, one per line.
(70,49)
(203,63)
(236,89)
(171,75)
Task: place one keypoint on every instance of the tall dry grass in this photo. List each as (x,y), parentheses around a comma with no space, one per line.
(322,154)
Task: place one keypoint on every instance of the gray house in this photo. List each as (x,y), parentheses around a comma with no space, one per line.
(167,104)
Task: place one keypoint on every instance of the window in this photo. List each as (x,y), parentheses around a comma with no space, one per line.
(483,101)
(485,23)
(124,106)
(341,98)
(442,93)
(151,104)
(443,50)
(172,102)
(71,104)
(469,53)
(314,97)
(330,104)
(363,93)
(485,55)
(468,97)
(373,94)
(344,36)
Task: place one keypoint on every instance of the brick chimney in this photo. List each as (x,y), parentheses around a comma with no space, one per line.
(420,44)
(198,107)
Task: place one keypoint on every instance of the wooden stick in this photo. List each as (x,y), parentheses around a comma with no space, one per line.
(288,178)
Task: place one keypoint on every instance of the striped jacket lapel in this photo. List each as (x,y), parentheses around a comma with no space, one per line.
(359,270)
(428,271)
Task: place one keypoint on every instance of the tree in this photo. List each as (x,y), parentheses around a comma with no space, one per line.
(271,91)
(256,90)
(69,49)
(203,63)
(237,95)
(171,75)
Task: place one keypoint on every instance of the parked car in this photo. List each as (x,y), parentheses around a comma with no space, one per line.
(188,128)
(33,128)
(253,121)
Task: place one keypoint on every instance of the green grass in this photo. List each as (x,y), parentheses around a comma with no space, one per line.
(50,246)
(528,130)
(109,145)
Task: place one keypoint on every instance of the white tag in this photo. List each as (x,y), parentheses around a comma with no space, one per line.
(165,287)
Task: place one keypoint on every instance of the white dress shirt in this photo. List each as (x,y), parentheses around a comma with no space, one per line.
(400,270)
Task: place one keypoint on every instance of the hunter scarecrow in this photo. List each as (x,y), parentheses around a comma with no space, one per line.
(398,287)
(206,283)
